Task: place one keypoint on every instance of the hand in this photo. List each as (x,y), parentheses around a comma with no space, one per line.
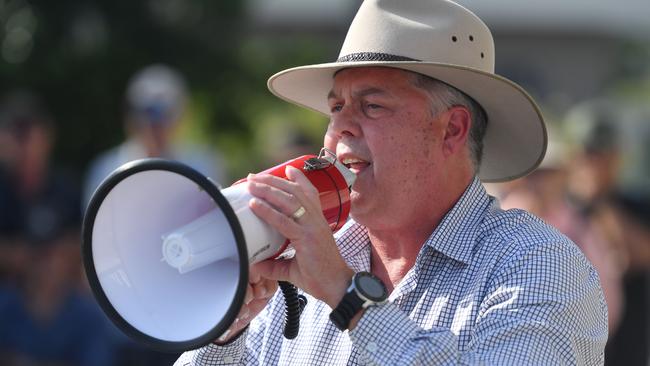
(317,267)
(258,293)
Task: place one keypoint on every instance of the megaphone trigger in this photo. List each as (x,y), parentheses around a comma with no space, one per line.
(288,253)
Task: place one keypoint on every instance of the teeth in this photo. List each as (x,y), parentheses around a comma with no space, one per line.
(348,161)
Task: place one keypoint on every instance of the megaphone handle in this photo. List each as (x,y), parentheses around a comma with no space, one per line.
(294,305)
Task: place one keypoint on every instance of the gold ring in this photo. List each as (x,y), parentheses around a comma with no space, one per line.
(298,213)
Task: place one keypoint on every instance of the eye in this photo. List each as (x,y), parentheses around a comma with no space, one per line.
(373,109)
(336,108)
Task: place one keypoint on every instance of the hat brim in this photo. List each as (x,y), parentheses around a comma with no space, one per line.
(515,140)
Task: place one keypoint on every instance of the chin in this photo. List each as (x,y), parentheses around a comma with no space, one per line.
(356,201)
(359,213)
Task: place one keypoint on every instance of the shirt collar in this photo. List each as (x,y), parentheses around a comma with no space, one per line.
(456,234)
(354,245)
(454,237)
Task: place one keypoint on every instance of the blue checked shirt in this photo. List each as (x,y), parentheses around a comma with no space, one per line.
(489,287)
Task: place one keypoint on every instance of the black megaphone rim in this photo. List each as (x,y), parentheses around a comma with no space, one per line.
(213,191)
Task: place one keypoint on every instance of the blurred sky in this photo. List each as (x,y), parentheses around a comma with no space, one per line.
(629,18)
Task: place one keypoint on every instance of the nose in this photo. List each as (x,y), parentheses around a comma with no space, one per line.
(344,123)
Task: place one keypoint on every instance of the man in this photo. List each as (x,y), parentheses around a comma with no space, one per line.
(468,282)
(156,99)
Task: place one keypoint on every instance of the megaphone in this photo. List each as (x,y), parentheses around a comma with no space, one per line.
(167,252)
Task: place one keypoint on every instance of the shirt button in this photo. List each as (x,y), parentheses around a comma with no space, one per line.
(228,359)
(371,347)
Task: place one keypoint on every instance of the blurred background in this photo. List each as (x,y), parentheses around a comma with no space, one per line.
(88,85)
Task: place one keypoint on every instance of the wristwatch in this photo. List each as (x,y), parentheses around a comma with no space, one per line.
(365,290)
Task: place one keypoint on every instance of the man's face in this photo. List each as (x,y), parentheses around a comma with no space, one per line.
(382,128)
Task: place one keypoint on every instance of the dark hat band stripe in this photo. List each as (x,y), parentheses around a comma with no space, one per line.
(372,56)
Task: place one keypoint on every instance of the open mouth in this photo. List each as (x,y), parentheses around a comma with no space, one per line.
(355,165)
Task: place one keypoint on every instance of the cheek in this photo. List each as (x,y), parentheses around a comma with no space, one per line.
(427,140)
(329,141)
(410,144)
(411,157)
(393,155)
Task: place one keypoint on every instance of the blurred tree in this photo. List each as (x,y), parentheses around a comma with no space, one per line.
(78,55)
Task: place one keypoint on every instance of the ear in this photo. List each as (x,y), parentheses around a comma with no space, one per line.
(457,131)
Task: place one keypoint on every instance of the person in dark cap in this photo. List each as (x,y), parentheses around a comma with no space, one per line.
(45,317)
(156,100)
(38,202)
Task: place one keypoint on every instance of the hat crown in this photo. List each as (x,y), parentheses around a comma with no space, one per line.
(436,31)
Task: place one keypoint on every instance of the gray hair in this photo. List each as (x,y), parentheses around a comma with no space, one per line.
(444,96)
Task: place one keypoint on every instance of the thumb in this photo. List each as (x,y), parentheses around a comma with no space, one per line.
(273,269)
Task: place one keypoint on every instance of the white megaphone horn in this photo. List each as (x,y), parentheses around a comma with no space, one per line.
(166,251)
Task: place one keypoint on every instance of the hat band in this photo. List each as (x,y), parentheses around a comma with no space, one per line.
(372,56)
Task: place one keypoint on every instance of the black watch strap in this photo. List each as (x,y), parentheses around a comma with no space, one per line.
(349,306)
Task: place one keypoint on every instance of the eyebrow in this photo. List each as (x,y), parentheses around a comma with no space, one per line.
(360,93)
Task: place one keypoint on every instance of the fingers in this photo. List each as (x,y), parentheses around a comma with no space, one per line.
(296,175)
(284,201)
(296,184)
(257,296)
(254,308)
(278,270)
(283,223)
(276,182)
(291,198)
(265,289)
(249,294)
(259,286)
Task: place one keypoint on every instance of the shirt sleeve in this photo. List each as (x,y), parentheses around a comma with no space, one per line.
(541,308)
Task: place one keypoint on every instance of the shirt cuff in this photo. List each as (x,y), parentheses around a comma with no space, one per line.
(385,334)
(383,331)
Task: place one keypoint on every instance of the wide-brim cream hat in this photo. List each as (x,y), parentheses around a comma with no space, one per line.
(443,40)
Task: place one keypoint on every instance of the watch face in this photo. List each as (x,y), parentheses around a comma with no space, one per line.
(371,287)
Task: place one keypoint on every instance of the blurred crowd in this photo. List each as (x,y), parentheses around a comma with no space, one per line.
(48,315)
(580,188)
